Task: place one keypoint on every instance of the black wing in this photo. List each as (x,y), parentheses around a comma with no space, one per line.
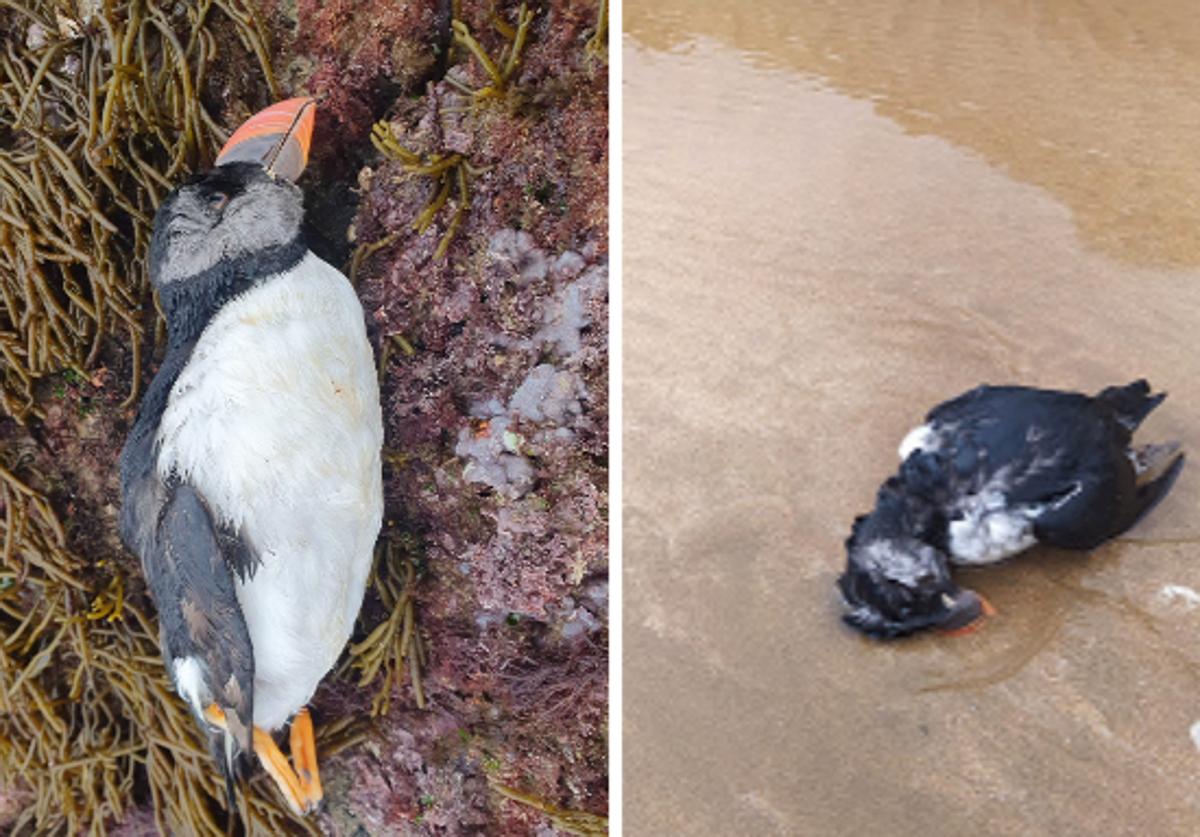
(197,604)
(1065,452)
(184,558)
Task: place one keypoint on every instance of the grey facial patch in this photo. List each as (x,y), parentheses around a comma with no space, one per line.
(267,213)
(897,564)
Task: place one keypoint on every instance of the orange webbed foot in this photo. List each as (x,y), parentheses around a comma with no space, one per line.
(301,794)
(304,758)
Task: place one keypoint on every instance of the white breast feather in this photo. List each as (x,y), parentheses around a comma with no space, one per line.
(993,536)
(987,528)
(919,438)
(276,421)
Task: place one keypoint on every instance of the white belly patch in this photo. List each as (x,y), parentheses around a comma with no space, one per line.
(990,537)
(988,529)
(275,420)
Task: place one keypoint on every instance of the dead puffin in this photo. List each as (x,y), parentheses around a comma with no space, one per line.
(990,474)
(251,479)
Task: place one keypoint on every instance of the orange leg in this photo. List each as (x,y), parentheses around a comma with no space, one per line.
(275,763)
(304,758)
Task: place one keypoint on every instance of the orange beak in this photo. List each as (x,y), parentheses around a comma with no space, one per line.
(985,610)
(277,138)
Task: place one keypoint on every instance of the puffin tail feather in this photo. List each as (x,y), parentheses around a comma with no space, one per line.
(1150,494)
(230,769)
(1131,403)
(225,742)
(224,749)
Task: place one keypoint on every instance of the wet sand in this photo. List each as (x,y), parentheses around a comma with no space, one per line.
(833,221)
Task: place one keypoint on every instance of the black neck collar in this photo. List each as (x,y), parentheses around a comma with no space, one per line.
(190,303)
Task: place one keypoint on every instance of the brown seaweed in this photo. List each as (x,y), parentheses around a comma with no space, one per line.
(449,171)
(597,45)
(503,69)
(569,822)
(100,114)
(395,644)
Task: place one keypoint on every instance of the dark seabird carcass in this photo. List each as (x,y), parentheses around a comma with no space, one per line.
(990,474)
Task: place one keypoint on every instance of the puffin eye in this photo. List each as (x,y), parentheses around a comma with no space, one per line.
(217,201)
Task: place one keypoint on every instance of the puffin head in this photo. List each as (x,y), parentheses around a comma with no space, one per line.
(229,212)
(896,581)
(898,585)
(246,204)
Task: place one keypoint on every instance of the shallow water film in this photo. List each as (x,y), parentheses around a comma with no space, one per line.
(837,216)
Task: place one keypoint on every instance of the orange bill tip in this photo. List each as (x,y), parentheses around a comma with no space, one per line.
(986,610)
(278,138)
(965,630)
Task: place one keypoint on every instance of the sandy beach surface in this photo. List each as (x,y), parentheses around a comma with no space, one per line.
(836,217)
